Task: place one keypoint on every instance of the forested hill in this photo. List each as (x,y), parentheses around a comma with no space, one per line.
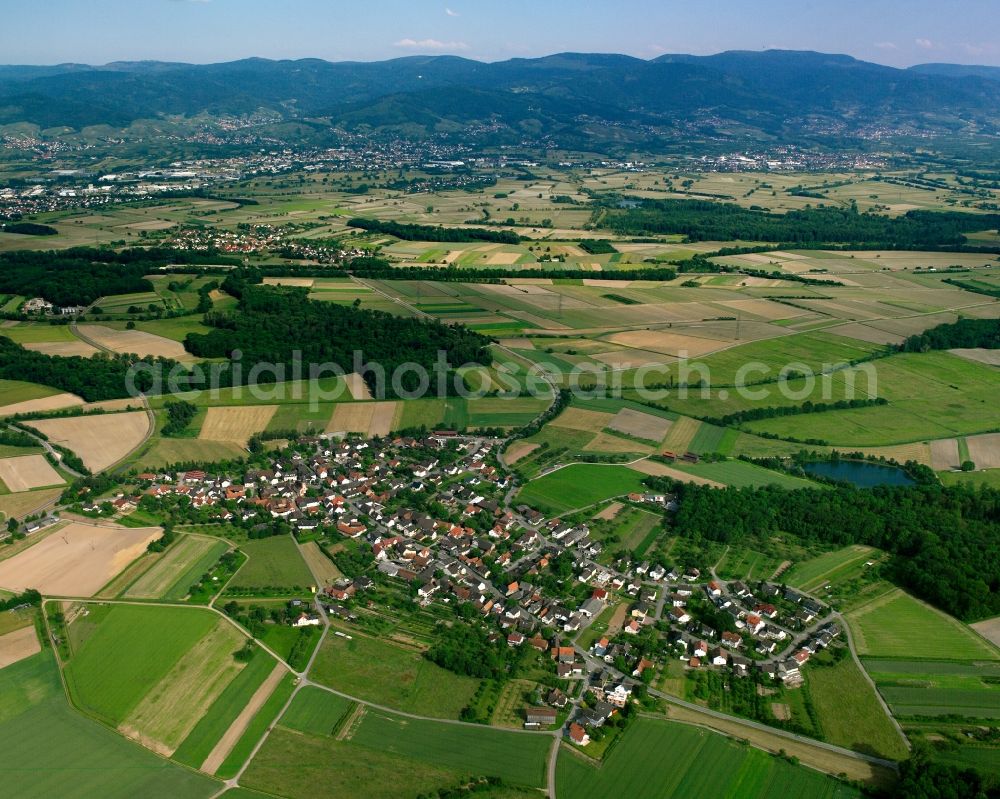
(765,91)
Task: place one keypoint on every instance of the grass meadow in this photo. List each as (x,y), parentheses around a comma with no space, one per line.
(896,625)
(274,566)
(131,649)
(689,761)
(579,486)
(51,750)
(394,676)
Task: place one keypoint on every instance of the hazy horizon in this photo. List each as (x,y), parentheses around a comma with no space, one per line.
(213,31)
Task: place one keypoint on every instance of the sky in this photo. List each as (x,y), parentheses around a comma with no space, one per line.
(893,32)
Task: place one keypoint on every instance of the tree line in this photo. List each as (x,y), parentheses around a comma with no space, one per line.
(381,269)
(408,232)
(703,220)
(963,334)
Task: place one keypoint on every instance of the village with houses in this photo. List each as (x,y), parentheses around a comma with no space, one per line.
(435,517)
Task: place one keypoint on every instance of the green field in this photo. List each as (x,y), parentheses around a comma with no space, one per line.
(223,712)
(988,477)
(14,391)
(938,688)
(931,395)
(290,391)
(688,761)
(31,333)
(830,567)
(50,750)
(131,649)
(748,563)
(579,486)
(315,711)
(173,575)
(741,474)
(302,766)
(512,756)
(274,566)
(849,712)
(383,673)
(260,723)
(712,439)
(898,626)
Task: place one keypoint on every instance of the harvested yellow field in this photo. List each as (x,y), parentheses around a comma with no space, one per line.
(862,332)
(137,342)
(984,450)
(165,716)
(17,506)
(236,423)
(27,472)
(919,452)
(298,282)
(667,343)
(640,425)
(323,569)
(681,434)
(18,645)
(609,512)
(351,417)
(115,405)
(989,629)
(580,419)
(517,343)
(631,359)
(607,284)
(989,357)
(657,469)
(157,224)
(518,450)
(368,418)
(63,348)
(75,560)
(503,258)
(383,418)
(944,454)
(357,386)
(54,403)
(603,442)
(101,440)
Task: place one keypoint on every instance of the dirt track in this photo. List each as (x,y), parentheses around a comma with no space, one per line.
(229,740)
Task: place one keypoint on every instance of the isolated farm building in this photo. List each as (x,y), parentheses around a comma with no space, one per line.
(539,716)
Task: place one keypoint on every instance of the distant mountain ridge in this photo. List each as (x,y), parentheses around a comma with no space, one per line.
(776,93)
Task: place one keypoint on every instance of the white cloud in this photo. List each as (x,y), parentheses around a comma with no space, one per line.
(924,44)
(430,44)
(451,13)
(886,45)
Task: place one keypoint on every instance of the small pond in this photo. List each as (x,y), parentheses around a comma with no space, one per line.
(860,473)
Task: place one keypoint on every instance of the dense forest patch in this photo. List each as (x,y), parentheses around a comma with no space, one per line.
(702,220)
